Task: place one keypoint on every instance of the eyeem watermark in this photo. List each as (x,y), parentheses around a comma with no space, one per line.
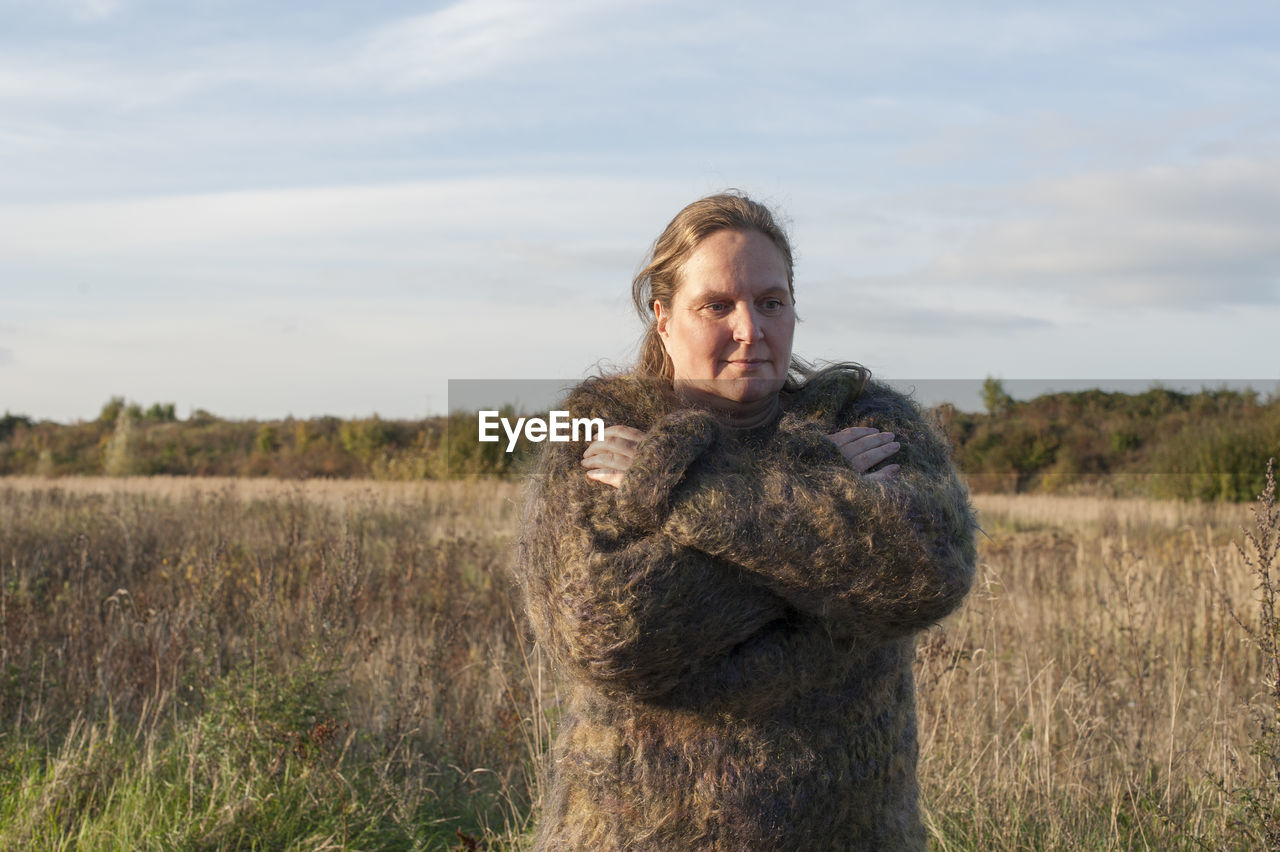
(558,426)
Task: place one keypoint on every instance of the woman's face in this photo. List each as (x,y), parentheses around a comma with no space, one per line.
(731,321)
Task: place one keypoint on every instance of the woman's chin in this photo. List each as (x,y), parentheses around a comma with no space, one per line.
(746,392)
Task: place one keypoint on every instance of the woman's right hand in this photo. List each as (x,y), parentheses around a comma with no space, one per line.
(865,448)
(608,459)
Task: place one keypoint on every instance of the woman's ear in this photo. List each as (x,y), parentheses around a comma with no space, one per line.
(660,321)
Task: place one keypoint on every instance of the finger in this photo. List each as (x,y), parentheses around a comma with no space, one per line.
(627,433)
(858,431)
(867,438)
(868,459)
(617,439)
(607,461)
(610,478)
(868,442)
(852,433)
(885,473)
(609,445)
(621,436)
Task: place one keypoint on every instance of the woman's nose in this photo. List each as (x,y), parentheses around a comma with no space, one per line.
(746,326)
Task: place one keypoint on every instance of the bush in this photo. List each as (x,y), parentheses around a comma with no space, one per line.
(1261,556)
(1220,461)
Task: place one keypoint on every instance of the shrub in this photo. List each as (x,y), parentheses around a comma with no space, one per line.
(1261,556)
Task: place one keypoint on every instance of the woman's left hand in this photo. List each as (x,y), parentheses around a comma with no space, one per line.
(609,459)
(865,448)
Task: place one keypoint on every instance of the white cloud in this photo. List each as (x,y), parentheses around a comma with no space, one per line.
(490,210)
(1176,236)
(467,39)
(462,41)
(905,315)
(102,82)
(529,241)
(80,11)
(94,10)
(237,360)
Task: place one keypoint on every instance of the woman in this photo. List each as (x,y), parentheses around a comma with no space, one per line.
(728,582)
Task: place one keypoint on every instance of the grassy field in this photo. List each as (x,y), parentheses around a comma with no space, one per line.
(250,664)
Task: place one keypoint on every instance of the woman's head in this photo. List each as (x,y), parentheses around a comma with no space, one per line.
(717,294)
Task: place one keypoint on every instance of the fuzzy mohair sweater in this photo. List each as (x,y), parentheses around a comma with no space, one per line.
(733,626)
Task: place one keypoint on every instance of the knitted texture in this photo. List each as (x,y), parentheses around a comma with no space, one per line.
(733,625)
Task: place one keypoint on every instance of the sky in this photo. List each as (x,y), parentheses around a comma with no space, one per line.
(264,210)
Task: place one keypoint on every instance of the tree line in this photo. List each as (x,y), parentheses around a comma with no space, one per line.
(1210,445)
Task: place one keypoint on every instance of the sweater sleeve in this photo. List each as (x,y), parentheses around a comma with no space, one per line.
(618,602)
(877,559)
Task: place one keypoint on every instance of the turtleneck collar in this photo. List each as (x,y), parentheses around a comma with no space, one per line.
(736,415)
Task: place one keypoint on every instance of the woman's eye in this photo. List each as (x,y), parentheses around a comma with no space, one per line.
(717,307)
(773,304)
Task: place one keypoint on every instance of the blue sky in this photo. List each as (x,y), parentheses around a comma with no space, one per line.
(271,209)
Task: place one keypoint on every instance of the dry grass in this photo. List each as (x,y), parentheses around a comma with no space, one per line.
(1093,515)
(485,504)
(1088,695)
(1090,692)
(297,643)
